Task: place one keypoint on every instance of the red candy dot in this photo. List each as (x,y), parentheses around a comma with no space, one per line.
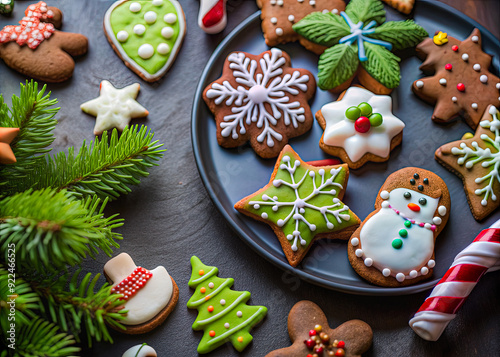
(312,332)
(340,352)
(341,344)
(210,308)
(448,67)
(310,343)
(318,350)
(461,87)
(454,48)
(212,333)
(362,124)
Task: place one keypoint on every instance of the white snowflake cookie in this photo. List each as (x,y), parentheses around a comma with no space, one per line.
(261,99)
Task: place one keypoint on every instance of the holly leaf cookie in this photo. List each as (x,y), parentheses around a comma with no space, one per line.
(476,159)
(461,82)
(394,246)
(146,34)
(359,45)
(360,127)
(261,99)
(302,203)
(310,334)
(278,17)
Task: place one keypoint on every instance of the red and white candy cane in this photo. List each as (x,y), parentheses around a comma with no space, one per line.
(212,16)
(480,257)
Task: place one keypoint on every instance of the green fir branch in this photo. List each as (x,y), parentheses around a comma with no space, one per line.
(366,11)
(401,34)
(52,229)
(324,29)
(382,65)
(337,65)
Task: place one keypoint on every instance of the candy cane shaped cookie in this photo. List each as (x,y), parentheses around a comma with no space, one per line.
(480,257)
(212,16)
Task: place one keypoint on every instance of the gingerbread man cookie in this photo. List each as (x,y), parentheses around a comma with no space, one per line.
(35,48)
(260,99)
(461,83)
(310,334)
(476,159)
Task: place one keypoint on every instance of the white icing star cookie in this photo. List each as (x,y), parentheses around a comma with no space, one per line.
(114,108)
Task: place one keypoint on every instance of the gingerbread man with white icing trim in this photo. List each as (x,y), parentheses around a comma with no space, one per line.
(394,246)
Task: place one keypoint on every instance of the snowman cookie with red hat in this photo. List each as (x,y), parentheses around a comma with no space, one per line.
(394,246)
(148,295)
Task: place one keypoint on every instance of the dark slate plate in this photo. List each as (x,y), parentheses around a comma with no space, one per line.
(230,175)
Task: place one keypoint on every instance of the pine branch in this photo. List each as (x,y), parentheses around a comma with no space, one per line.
(105,168)
(52,229)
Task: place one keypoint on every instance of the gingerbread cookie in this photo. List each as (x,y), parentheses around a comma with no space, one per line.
(36,49)
(212,17)
(146,34)
(394,246)
(359,45)
(404,6)
(260,99)
(7,135)
(223,314)
(312,336)
(278,17)
(140,351)
(461,83)
(360,127)
(302,203)
(476,159)
(149,296)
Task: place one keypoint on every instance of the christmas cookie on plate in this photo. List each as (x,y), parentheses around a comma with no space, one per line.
(360,127)
(394,246)
(212,17)
(146,34)
(476,159)
(461,82)
(148,295)
(261,99)
(140,351)
(359,44)
(302,203)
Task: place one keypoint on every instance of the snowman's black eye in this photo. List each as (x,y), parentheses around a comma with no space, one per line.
(422,201)
(407,194)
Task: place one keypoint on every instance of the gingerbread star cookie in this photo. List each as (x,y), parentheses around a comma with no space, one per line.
(261,99)
(278,17)
(476,159)
(114,108)
(302,203)
(6,136)
(461,83)
(311,336)
(404,6)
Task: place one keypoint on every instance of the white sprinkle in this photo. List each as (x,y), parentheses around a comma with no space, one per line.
(264,215)
(431,263)
(335,11)
(291,18)
(384,195)
(222,302)
(279,31)
(167,32)
(170,18)
(477,67)
(437,221)
(454,99)
(135,7)
(400,277)
(280,2)
(419,84)
(368,262)
(239,314)
(497,85)
(274,20)
(442,210)
(272,2)
(150,17)
(484,78)
(424,271)
(475,39)
(385,204)
(413,274)
(325,11)
(442,81)
(465,57)
(386,272)
(359,253)
(474,105)
(312,3)
(355,242)
(226,325)
(211,285)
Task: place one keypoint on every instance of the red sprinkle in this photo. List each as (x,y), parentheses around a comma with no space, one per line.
(448,67)
(454,48)
(312,332)
(341,344)
(362,124)
(212,333)
(461,87)
(310,343)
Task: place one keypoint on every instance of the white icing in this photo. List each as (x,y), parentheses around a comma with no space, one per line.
(442,210)
(340,131)
(279,31)
(368,262)
(483,78)
(465,57)
(146,51)
(150,17)
(167,32)
(140,351)
(274,20)
(135,7)
(359,253)
(157,2)
(419,84)
(139,29)
(170,18)
(122,36)
(437,221)
(163,49)
(442,81)
(431,263)
(475,39)
(250,106)
(384,195)
(355,242)
(477,67)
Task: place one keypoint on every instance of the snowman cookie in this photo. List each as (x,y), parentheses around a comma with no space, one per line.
(394,246)
(148,295)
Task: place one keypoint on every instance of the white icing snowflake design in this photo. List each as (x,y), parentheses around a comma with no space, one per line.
(255,91)
(476,154)
(300,205)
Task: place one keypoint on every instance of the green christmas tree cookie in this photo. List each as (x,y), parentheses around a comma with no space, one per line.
(223,314)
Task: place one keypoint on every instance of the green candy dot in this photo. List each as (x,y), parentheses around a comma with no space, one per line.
(375,119)
(366,109)
(403,233)
(397,243)
(408,224)
(353,113)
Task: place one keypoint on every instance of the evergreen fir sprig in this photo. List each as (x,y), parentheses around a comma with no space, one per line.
(53,229)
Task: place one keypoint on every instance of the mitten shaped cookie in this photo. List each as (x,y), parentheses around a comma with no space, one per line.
(394,246)
(310,334)
(36,49)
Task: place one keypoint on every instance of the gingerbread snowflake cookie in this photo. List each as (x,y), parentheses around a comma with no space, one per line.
(360,127)
(278,17)
(394,246)
(148,295)
(461,82)
(302,203)
(476,159)
(36,49)
(312,336)
(261,99)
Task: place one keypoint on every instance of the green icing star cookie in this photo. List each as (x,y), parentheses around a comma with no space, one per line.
(302,203)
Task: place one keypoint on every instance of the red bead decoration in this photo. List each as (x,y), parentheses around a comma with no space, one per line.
(310,343)
(132,283)
(341,344)
(454,48)
(461,87)
(362,124)
(340,352)
(448,67)
(318,350)
(312,332)
(210,308)
(211,333)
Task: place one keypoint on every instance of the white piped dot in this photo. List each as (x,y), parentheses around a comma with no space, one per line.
(146,51)
(256,206)
(335,11)
(497,85)
(400,277)
(139,29)
(431,263)
(222,302)
(355,242)
(424,271)
(264,215)
(163,49)
(150,17)
(465,57)
(122,36)
(291,18)
(226,325)
(442,81)
(312,2)
(359,253)
(474,105)
(413,274)
(211,285)
(386,272)
(442,210)
(239,314)
(454,99)
(274,20)
(279,2)
(475,39)
(135,7)
(477,67)
(437,221)
(385,204)
(419,84)
(484,78)
(170,18)
(384,195)
(368,262)
(279,31)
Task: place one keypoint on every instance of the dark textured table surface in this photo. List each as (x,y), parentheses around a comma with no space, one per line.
(170,217)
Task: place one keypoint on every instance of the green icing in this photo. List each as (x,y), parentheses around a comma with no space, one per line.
(122,19)
(224,312)
(318,211)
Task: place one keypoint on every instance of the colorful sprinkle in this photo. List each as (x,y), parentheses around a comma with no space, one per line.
(461,87)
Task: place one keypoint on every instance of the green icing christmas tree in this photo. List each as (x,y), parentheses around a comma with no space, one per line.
(223,314)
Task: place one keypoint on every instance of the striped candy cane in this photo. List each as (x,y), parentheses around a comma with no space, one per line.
(481,256)
(212,16)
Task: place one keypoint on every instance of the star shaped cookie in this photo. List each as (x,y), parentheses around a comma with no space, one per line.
(476,160)
(114,108)
(302,203)
(461,83)
(6,137)
(310,334)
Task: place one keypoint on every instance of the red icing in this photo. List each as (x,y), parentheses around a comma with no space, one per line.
(132,283)
(31,30)
(215,15)
(324,162)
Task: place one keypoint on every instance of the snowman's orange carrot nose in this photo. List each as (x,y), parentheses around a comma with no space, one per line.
(414,207)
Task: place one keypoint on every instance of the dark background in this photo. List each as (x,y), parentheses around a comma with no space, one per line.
(170,217)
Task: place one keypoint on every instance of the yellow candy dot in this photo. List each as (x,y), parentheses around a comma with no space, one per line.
(318,328)
(467,136)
